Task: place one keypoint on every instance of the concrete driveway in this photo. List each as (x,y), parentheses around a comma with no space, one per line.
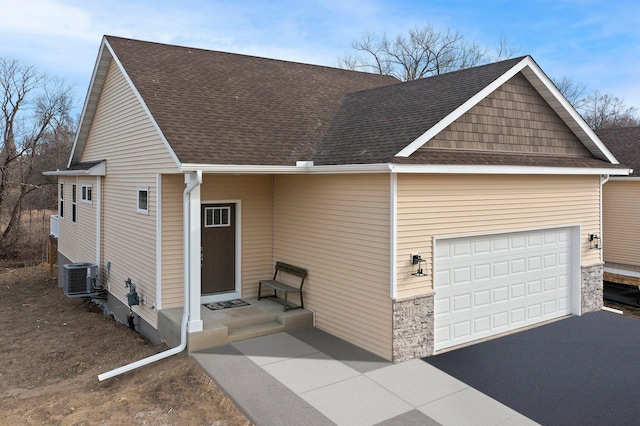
(308,377)
(579,370)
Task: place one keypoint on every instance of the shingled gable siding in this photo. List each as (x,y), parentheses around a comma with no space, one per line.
(338,227)
(621,222)
(254,193)
(514,118)
(440,205)
(123,134)
(77,241)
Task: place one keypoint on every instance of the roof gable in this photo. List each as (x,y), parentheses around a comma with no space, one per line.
(545,88)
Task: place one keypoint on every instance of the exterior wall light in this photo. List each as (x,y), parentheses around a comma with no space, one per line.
(594,242)
(419,265)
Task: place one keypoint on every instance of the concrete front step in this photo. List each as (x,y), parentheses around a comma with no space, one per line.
(260,318)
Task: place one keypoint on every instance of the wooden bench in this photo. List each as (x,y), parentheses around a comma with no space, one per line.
(285,288)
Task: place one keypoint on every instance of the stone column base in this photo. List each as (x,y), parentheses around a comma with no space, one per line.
(412,327)
(592,288)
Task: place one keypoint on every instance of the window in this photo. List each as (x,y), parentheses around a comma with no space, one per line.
(143,200)
(61,199)
(85,194)
(217,217)
(74,207)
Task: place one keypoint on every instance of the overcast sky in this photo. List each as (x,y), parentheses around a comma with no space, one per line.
(592,41)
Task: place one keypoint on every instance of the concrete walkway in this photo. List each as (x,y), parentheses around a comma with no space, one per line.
(310,377)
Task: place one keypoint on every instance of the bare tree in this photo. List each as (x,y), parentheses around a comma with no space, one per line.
(422,52)
(573,91)
(602,111)
(34,109)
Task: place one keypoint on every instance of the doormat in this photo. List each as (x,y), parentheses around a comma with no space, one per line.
(226,304)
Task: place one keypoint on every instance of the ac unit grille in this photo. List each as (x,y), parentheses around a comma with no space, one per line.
(79,278)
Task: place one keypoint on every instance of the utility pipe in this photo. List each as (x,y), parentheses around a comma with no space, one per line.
(187,281)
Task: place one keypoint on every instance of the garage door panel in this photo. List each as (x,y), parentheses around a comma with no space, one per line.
(518,266)
(518,291)
(481,298)
(462,276)
(500,283)
(442,306)
(461,303)
(534,312)
(501,294)
(482,272)
(482,324)
(462,329)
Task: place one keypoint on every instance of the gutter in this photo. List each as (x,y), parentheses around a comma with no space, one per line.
(185,314)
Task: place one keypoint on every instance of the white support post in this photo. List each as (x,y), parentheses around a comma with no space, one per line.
(195,321)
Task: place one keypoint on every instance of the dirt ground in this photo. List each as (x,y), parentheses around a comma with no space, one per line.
(629,311)
(52,349)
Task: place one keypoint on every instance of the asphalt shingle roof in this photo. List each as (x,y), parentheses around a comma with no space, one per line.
(229,109)
(624,143)
(223,108)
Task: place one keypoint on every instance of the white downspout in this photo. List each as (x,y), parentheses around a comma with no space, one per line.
(603,179)
(185,314)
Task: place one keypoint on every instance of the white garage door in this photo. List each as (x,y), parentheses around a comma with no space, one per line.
(491,284)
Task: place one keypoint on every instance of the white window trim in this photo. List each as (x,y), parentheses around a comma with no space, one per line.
(221,225)
(86,189)
(138,191)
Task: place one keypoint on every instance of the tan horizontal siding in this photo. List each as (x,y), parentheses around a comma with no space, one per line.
(123,135)
(172,241)
(338,228)
(621,222)
(447,205)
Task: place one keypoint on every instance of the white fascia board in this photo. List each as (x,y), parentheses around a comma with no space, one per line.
(504,170)
(400,168)
(99,169)
(143,103)
(93,91)
(458,112)
(304,169)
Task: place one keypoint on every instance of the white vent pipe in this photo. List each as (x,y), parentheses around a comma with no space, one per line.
(187,281)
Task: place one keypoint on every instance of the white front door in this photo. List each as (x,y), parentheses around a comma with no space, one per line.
(491,284)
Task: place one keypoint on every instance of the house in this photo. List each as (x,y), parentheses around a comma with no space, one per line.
(428,214)
(621,208)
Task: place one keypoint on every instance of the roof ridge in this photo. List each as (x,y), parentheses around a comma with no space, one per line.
(245,55)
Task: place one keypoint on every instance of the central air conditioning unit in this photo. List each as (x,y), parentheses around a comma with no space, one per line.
(80,279)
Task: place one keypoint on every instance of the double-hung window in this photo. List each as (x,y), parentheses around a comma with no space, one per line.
(74,206)
(86,194)
(61,200)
